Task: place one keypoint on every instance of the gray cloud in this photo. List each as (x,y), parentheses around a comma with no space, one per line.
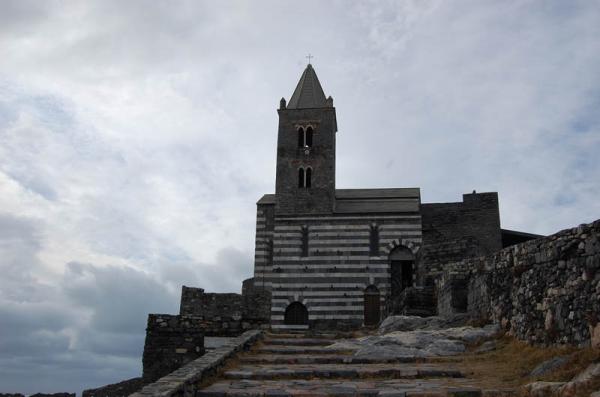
(135,140)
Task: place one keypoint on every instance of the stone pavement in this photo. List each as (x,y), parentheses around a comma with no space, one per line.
(286,365)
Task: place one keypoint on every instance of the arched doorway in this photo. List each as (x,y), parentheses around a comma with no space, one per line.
(372,305)
(296,314)
(402,269)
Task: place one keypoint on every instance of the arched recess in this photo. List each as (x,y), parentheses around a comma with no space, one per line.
(296,314)
(402,269)
(399,242)
(372,302)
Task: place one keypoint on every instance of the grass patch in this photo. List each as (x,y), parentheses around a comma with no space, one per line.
(512,362)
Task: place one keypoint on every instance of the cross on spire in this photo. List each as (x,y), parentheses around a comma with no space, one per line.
(309,57)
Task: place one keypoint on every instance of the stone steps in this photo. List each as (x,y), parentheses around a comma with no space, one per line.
(298,341)
(300,365)
(342,371)
(441,387)
(273,359)
(277,349)
(299,335)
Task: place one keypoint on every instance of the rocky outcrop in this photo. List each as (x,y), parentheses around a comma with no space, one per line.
(417,337)
(587,383)
(411,323)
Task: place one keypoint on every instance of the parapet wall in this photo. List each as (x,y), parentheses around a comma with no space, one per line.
(227,314)
(544,291)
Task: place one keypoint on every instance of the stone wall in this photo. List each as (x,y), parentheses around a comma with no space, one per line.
(187,380)
(171,341)
(174,340)
(227,314)
(455,231)
(544,291)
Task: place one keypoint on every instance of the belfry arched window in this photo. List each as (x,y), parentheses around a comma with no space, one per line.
(305,137)
(308,137)
(305,177)
(301,177)
(301,137)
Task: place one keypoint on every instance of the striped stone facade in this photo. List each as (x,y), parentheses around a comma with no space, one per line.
(330,281)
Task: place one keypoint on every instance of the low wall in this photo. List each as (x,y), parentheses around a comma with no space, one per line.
(171,341)
(120,389)
(186,380)
(227,314)
(544,291)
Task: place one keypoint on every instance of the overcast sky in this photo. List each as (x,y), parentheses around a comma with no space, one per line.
(137,136)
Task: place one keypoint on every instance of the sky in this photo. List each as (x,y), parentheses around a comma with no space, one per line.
(137,136)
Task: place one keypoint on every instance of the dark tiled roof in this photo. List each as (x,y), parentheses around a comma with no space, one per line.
(308,92)
(377,200)
(408,192)
(267,199)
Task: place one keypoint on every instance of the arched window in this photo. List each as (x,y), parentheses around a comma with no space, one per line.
(308,177)
(374,241)
(301,137)
(308,137)
(304,241)
(301,177)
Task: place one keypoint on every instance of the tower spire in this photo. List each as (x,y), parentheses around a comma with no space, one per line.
(308,93)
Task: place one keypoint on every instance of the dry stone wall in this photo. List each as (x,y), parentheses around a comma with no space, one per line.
(544,291)
(171,341)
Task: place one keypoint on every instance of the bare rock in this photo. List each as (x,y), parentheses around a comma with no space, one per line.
(583,382)
(412,323)
(549,366)
(542,389)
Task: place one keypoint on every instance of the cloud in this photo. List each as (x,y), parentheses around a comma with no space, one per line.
(135,140)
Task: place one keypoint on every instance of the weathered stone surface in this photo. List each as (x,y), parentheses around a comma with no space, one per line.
(418,343)
(411,323)
(583,382)
(487,346)
(549,366)
(542,389)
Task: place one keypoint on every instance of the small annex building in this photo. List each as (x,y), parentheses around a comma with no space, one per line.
(344,258)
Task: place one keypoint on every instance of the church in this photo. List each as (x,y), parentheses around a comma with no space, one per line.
(334,258)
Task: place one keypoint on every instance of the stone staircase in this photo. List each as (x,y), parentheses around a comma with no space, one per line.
(295,364)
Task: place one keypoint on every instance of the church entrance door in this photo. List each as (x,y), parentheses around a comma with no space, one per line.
(372,305)
(402,263)
(296,314)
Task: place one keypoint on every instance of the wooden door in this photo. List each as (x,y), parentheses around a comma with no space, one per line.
(372,306)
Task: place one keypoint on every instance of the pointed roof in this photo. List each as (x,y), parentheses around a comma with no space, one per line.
(308,92)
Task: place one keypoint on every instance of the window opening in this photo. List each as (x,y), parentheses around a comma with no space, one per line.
(301,177)
(300,137)
(374,241)
(308,138)
(304,244)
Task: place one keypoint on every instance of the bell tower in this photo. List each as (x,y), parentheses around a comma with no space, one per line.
(305,178)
